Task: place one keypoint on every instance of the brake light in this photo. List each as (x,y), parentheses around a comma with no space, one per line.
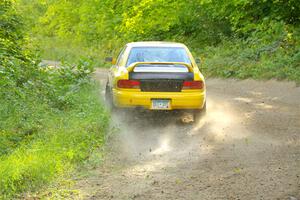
(128,84)
(193,85)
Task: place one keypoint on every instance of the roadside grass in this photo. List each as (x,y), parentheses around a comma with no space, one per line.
(64,140)
(57,49)
(241,60)
(64,187)
(51,118)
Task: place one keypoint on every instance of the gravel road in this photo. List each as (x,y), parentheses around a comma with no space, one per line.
(246,147)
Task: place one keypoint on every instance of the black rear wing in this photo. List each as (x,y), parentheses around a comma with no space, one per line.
(131,67)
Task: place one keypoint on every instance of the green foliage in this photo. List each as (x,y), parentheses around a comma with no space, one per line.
(48,126)
(257,33)
(64,139)
(267,53)
(173,20)
(246,15)
(104,26)
(51,117)
(10,27)
(105,23)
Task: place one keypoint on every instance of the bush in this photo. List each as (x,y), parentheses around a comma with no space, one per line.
(270,52)
(48,125)
(51,117)
(63,140)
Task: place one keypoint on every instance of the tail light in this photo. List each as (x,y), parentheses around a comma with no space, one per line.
(193,85)
(128,84)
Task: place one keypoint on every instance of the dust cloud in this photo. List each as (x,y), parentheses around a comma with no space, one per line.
(246,147)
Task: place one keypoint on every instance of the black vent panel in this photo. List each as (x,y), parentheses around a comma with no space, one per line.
(161,85)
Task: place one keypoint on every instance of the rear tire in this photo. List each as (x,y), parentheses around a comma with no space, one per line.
(198,114)
(108,97)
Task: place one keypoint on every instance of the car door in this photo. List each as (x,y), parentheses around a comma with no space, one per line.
(114,68)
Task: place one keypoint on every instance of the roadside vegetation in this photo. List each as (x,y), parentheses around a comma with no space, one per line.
(51,118)
(242,39)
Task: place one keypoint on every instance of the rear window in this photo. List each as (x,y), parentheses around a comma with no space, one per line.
(158,54)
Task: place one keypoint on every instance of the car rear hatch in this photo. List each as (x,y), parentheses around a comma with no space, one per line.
(161,77)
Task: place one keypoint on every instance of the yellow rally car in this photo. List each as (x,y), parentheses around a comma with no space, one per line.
(156,76)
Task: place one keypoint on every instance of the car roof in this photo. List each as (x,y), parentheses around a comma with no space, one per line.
(155,44)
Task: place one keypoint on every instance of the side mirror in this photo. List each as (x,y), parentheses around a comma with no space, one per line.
(110,60)
(198,61)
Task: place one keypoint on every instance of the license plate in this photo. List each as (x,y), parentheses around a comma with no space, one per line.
(160,104)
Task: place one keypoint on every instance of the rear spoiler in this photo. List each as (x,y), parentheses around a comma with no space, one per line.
(131,67)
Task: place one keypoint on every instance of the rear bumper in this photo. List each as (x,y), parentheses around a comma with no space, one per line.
(178,100)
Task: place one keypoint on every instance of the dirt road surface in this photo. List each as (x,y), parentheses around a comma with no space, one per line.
(246,147)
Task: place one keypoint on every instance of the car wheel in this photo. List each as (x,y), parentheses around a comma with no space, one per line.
(198,114)
(108,97)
